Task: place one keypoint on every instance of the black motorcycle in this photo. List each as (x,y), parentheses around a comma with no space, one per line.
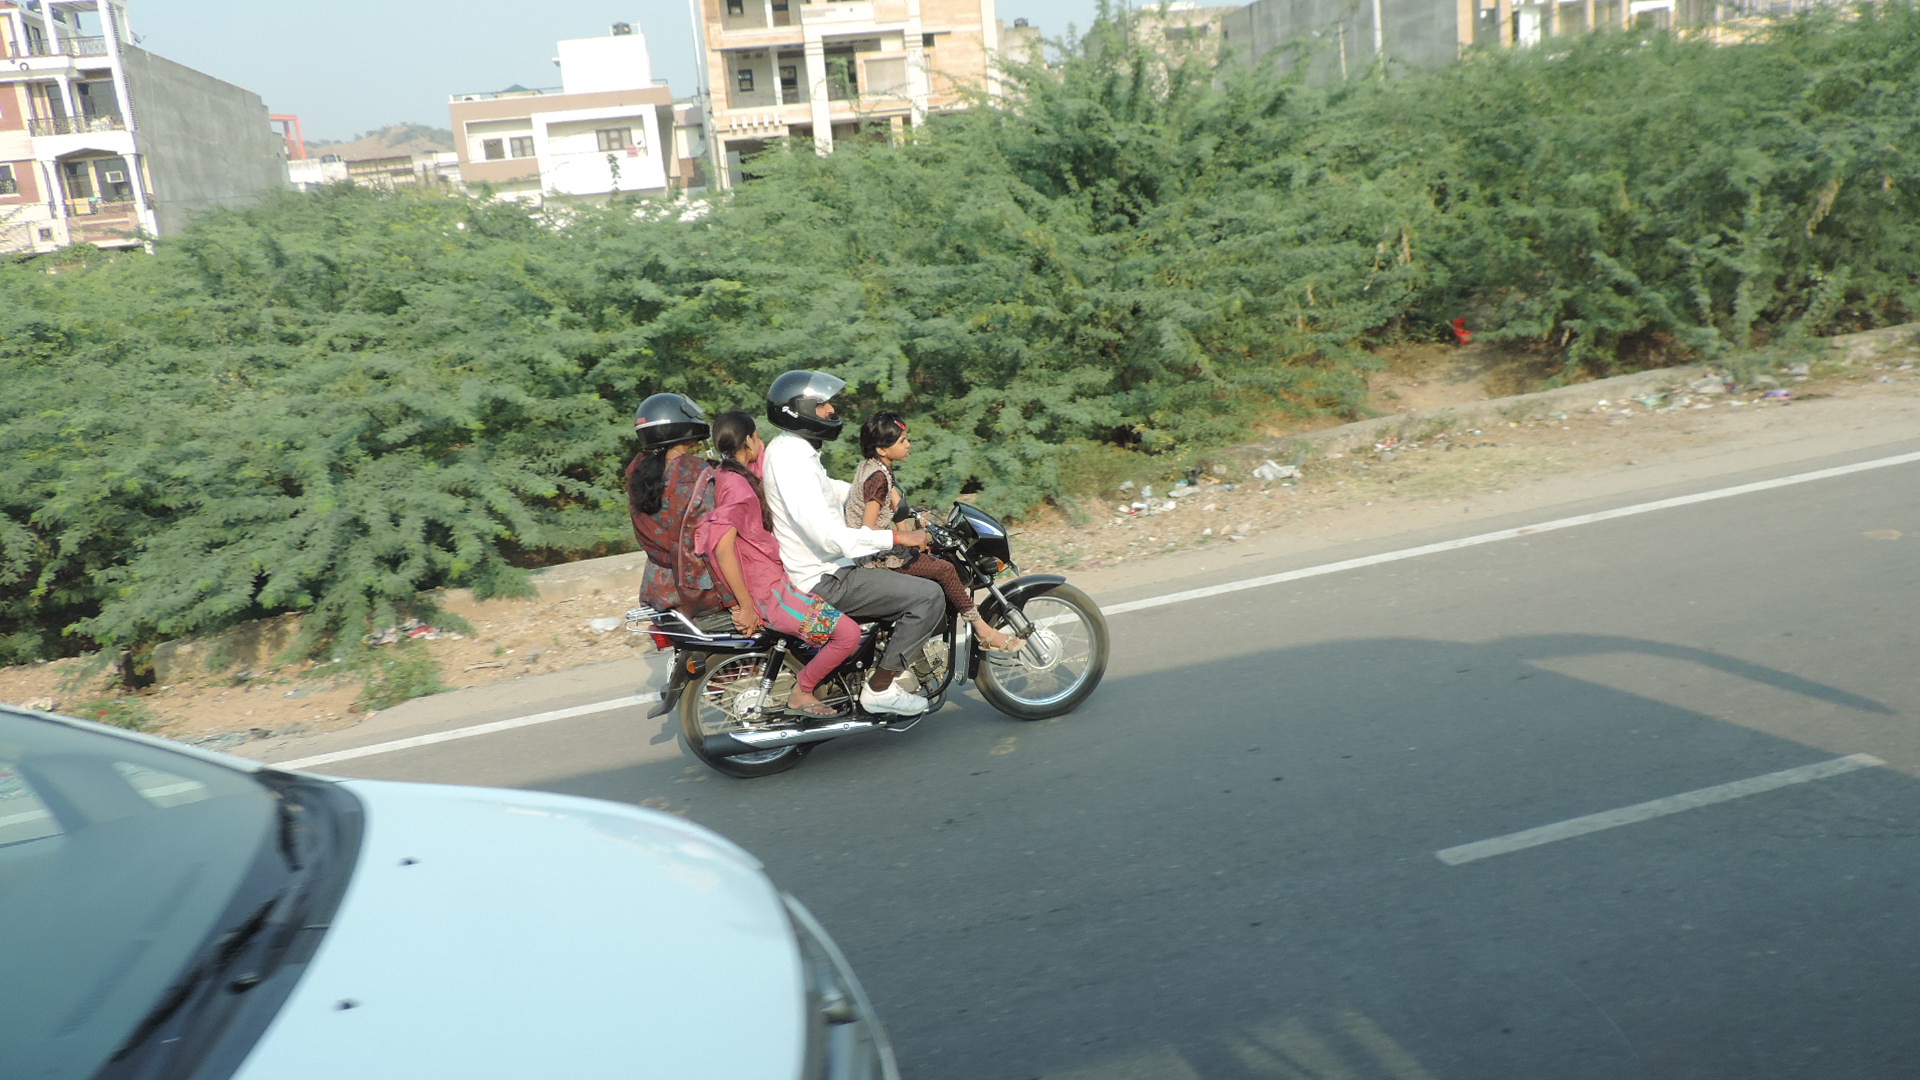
(731,690)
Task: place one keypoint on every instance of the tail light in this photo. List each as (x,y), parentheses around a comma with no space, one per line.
(661,641)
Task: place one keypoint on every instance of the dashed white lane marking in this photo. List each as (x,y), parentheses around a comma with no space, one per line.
(1508,534)
(1175,598)
(318,760)
(1672,804)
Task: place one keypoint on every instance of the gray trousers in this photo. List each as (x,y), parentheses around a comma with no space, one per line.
(914,605)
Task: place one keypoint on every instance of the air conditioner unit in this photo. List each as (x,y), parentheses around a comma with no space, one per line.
(116,177)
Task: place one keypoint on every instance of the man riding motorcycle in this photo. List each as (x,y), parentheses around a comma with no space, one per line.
(818,547)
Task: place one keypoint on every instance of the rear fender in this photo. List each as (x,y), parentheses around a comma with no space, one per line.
(685,666)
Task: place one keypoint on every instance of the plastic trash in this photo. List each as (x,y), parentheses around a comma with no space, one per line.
(1271,470)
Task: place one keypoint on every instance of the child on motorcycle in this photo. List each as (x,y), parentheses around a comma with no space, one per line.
(874,493)
(736,536)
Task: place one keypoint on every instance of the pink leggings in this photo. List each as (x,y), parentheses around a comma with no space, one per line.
(845,639)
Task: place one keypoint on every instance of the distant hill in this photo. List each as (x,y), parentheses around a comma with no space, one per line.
(390,141)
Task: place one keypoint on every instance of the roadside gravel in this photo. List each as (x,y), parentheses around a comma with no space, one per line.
(1444,452)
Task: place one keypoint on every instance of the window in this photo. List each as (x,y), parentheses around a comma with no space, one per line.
(926,41)
(745,77)
(110,176)
(521,146)
(614,138)
(842,81)
(79,178)
(493,149)
(8,185)
(790,81)
(736,7)
(887,77)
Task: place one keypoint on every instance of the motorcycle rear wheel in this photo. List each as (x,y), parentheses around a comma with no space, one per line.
(717,701)
(1058,667)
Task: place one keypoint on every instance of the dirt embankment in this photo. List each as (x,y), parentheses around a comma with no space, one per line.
(1451,435)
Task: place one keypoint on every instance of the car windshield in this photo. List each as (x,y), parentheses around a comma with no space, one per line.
(118,858)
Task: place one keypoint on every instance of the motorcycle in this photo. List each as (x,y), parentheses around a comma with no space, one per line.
(731,689)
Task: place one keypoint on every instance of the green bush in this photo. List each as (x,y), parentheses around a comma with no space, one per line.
(333,403)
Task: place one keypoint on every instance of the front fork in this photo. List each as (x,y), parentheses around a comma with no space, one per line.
(1006,602)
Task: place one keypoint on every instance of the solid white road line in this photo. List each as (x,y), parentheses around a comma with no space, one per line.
(1672,804)
(1507,534)
(1183,597)
(466,732)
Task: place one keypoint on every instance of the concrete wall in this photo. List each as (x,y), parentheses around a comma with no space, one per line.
(1337,36)
(207,143)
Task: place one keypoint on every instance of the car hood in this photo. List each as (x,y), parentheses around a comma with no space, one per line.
(521,934)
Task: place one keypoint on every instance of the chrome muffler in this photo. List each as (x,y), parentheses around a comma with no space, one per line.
(752,742)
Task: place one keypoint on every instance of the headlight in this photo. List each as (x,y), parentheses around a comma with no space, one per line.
(844,1038)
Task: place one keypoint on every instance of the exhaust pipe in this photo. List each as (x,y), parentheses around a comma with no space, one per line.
(753,742)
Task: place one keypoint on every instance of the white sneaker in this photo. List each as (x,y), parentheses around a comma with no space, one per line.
(892,700)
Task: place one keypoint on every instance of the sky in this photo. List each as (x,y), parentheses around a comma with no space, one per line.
(347,67)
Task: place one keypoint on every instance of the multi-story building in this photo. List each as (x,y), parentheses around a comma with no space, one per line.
(102,142)
(609,127)
(834,69)
(1345,36)
(423,168)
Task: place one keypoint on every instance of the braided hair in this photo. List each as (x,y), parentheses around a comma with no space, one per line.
(731,430)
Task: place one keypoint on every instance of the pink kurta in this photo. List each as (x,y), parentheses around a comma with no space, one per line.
(779,603)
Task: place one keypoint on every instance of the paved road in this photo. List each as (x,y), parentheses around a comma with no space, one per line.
(1228,864)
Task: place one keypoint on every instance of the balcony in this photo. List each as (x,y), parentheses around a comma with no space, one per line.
(74,125)
(112,206)
(83,46)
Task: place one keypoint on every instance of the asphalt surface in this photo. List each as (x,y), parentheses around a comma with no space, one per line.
(1227,863)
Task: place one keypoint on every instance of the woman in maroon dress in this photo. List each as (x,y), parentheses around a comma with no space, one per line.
(661,485)
(736,535)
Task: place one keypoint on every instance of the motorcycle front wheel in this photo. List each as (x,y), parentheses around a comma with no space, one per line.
(1062,661)
(719,702)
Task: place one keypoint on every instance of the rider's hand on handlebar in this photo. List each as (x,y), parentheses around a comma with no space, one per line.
(913,538)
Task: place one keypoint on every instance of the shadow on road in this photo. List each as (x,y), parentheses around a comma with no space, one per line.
(1228,872)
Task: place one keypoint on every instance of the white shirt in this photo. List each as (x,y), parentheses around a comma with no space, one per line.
(815,539)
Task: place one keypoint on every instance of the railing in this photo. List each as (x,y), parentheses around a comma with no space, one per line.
(112,206)
(496,95)
(83,46)
(75,125)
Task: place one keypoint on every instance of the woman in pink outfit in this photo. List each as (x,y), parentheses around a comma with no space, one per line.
(736,536)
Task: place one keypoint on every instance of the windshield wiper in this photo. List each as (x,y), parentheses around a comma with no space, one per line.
(212,968)
(287,814)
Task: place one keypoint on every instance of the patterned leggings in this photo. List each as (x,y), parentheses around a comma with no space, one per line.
(942,573)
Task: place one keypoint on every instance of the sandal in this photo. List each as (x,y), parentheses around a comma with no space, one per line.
(1010,645)
(815,708)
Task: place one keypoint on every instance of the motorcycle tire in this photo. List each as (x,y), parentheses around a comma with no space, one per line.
(1058,667)
(712,704)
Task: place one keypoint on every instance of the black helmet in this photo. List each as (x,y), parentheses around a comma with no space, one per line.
(666,419)
(793,397)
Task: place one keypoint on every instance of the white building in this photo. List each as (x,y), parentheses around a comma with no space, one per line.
(102,142)
(609,127)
